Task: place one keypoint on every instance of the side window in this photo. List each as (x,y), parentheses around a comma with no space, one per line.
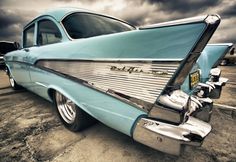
(48,33)
(28,39)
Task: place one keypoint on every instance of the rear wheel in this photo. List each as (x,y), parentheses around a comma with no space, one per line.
(73,117)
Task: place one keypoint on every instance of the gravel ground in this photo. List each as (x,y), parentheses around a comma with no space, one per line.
(31,131)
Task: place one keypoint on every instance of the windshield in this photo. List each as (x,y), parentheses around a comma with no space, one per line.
(84,25)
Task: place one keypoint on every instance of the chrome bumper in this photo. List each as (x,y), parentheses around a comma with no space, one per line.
(209,90)
(170,138)
(178,119)
(216,92)
(212,88)
(204,113)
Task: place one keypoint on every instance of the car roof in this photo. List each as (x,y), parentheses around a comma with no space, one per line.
(59,13)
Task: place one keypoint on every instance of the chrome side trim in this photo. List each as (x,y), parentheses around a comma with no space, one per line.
(41,84)
(143,60)
(170,138)
(140,80)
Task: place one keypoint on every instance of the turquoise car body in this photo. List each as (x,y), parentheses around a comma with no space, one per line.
(136,45)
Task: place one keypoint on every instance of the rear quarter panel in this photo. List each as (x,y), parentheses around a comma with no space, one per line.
(107,109)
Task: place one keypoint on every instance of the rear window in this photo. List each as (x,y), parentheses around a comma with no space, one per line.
(84,25)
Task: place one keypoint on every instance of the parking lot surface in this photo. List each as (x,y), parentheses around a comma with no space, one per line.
(31,131)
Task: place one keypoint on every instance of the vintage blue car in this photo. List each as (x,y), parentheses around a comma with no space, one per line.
(152,83)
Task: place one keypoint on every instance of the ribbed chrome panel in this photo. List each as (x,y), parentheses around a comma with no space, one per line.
(141,80)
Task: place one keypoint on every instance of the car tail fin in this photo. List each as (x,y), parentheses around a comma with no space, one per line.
(196,32)
(211,57)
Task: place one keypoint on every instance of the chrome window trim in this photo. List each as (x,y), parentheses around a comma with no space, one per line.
(63,28)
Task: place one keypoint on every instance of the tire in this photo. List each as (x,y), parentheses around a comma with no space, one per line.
(13,83)
(74,118)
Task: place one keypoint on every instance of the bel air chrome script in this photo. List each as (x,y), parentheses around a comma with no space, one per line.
(131,69)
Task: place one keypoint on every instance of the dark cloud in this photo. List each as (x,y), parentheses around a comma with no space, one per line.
(8,18)
(15,14)
(136,21)
(184,6)
(12,23)
(8,26)
(229,12)
(86,1)
(2,2)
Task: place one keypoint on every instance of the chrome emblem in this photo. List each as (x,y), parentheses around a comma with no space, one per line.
(132,69)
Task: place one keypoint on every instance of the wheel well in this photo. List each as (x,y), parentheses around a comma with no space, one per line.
(51,93)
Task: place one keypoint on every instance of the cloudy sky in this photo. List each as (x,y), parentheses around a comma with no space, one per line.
(14,14)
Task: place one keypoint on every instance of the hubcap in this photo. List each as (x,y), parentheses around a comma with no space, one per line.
(66,108)
(12,82)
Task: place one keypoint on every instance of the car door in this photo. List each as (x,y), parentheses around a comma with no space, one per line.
(20,68)
(48,34)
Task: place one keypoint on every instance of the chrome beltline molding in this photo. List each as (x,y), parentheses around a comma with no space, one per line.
(176,22)
(144,60)
(141,80)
